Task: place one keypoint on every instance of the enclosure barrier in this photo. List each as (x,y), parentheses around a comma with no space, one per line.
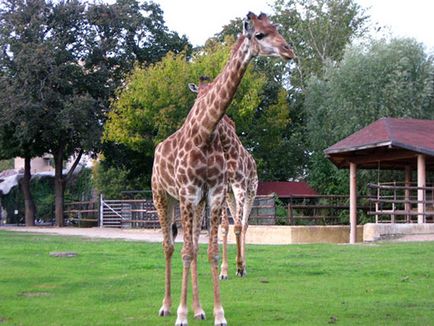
(141,213)
(395,202)
(323,209)
(312,210)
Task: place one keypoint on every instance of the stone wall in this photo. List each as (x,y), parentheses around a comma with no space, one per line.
(272,234)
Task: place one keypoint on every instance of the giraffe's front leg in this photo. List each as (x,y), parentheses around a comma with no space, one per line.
(199,313)
(213,257)
(164,211)
(167,301)
(187,258)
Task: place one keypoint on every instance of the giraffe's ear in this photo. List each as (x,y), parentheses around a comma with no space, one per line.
(193,88)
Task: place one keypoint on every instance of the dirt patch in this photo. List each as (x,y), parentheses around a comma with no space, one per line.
(46,286)
(34,294)
(63,254)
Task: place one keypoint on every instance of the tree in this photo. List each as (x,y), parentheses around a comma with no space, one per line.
(22,80)
(320,30)
(156,99)
(388,79)
(71,57)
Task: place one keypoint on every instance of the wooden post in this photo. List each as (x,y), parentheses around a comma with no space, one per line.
(290,215)
(407,193)
(101,211)
(392,217)
(353,202)
(421,183)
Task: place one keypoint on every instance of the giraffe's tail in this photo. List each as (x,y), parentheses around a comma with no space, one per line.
(174,230)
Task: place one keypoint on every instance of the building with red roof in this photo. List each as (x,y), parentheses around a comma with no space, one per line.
(285,189)
(393,142)
(389,143)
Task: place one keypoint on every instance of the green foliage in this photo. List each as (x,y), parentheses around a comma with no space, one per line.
(110,181)
(80,187)
(320,31)
(156,101)
(281,212)
(347,285)
(61,64)
(6,164)
(388,79)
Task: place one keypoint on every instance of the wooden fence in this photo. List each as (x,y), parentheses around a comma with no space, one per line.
(395,202)
(141,213)
(323,209)
(82,213)
(386,203)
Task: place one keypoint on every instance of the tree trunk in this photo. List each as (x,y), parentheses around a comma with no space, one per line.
(29,205)
(59,187)
(60,182)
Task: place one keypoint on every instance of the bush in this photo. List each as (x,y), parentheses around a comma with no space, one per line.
(281,212)
(6,164)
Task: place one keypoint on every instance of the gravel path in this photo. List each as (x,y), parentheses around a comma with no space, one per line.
(156,235)
(106,233)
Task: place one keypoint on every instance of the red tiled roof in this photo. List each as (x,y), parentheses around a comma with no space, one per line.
(411,134)
(285,189)
(389,143)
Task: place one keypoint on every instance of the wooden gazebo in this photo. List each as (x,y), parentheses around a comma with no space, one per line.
(391,144)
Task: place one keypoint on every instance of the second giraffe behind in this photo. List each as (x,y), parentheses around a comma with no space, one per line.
(242,184)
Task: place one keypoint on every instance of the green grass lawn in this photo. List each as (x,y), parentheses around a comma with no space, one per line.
(121,283)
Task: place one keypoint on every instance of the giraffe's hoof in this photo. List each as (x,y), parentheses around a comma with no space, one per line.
(223,277)
(241,272)
(200,316)
(221,323)
(219,317)
(164,312)
(181,323)
(199,313)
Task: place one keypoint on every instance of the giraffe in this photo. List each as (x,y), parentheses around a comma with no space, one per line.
(242,185)
(190,167)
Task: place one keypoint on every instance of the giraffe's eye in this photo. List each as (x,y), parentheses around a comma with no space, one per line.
(259,36)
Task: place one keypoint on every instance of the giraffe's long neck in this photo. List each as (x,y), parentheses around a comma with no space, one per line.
(210,108)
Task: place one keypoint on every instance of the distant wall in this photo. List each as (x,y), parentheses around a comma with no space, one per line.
(37,164)
(271,234)
(381,231)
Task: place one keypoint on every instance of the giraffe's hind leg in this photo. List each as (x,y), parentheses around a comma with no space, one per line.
(236,202)
(213,250)
(224,230)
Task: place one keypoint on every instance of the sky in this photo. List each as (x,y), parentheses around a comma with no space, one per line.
(201,19)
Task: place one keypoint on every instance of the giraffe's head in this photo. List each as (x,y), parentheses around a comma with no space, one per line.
(265,38)
(203,87)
